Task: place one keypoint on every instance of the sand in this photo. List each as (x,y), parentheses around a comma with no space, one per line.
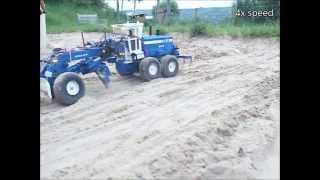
(218,118)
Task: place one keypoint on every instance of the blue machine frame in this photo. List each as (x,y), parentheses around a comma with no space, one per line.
(94,57)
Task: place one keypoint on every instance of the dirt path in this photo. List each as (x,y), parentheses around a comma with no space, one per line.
(219,118)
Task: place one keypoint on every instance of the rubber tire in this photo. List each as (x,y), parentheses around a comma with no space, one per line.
(144,66)
(165,60)
(60,92)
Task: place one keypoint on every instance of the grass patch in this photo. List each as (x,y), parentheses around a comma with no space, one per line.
(62,17)
(271,29)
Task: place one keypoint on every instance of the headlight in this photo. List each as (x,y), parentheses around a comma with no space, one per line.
(54,60)
(48,74)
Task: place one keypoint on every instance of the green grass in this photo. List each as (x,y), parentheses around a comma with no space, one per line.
(226,29)
(63,18)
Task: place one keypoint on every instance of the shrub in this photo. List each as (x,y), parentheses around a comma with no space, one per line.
(199,29)
(162,31)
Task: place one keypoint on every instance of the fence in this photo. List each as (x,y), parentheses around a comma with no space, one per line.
(87,18)
(213,15)
(210,14)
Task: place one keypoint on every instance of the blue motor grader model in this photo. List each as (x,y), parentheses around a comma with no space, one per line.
(152,56)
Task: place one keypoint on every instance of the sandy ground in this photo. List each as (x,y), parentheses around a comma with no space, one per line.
(218,118)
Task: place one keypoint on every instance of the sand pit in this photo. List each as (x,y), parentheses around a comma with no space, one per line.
(218,118)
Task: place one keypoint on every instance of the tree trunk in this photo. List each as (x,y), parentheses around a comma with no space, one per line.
(117,7)
(168,11)
(134,5)
(157,11)
(121,5)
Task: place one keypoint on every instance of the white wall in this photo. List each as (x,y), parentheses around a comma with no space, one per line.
(43,31)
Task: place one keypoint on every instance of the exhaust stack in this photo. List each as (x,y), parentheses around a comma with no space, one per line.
(150,30)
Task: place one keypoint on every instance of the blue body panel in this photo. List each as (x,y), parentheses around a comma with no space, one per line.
(125,69)
(158,46)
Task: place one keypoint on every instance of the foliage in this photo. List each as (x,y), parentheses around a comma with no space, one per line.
(198,29)
(174,10)
(62,17)
(98,3)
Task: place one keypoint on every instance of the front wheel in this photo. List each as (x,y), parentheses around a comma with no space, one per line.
(68,88)
(169,66)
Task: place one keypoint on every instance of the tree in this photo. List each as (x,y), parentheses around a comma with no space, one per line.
(168,10)
(165,10)
(135,5)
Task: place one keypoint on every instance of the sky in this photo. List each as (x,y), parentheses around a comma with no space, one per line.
(182,4)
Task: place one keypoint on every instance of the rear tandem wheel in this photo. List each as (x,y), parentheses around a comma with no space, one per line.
(169,66)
